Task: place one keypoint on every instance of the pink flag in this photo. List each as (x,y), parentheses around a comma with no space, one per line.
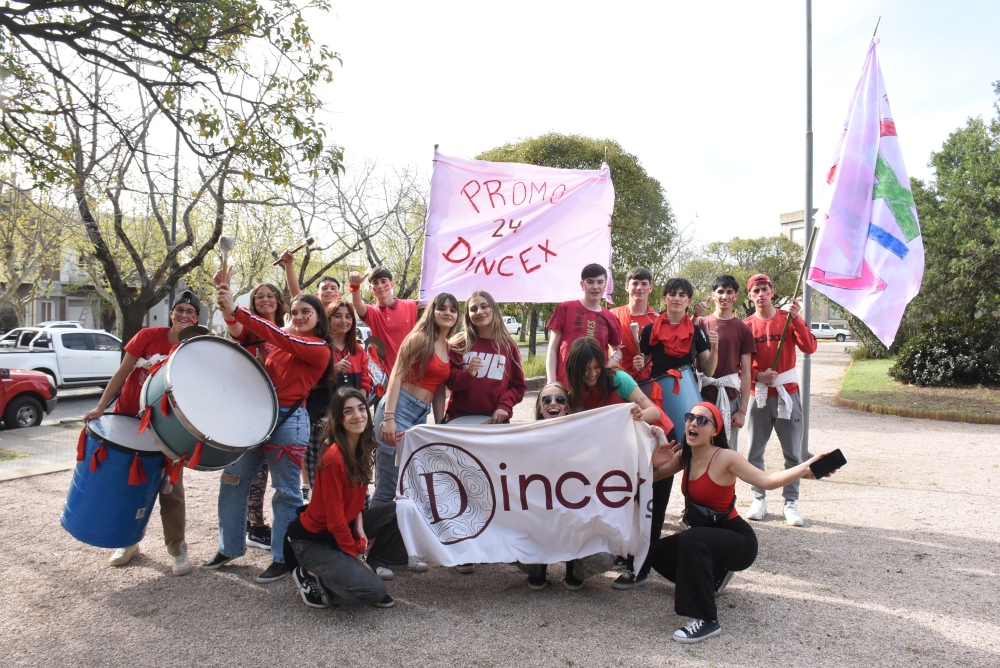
(869,257)
(520,232)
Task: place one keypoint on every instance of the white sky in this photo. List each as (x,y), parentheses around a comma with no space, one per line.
(710,96)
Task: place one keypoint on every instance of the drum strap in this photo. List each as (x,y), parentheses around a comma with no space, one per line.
(294,407)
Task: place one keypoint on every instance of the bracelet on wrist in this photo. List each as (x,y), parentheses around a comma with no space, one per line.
(353,288)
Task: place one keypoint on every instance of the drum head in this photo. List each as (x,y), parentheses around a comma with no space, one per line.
(221,393)
(471,419)
(122,430)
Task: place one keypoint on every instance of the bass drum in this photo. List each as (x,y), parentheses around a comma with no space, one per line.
(209,403)
(678,392)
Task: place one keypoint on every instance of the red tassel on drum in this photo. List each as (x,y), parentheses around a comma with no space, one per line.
(81,445)
(656,394)
(195,457)
(676,375)
(175,475)
(164,404)
(147,415)
(100,454)
(136,473)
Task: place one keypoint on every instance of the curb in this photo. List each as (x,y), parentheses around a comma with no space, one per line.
(534,383)
(918,413)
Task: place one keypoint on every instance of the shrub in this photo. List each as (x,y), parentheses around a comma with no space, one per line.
(951,350)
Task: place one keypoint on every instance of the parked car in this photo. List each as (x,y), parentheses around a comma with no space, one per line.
(73,357)
(823,330)
(513,326)
(59,324)
(363,332)
(24,395)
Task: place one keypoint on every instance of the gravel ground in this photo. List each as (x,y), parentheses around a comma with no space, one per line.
(898,564)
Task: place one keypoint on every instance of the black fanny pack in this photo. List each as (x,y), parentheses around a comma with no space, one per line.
(700,516)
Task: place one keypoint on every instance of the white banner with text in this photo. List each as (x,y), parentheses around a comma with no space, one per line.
(538,492)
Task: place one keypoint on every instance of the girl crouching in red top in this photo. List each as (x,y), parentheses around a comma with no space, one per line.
(700,560)
(335,541)
(300,357)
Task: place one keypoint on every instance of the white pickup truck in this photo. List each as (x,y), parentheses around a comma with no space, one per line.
(72,357)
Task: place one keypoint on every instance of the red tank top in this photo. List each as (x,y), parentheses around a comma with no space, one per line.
(435,374)
(706,492)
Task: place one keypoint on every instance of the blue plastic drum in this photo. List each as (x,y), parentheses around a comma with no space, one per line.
(109,506)
(676,405)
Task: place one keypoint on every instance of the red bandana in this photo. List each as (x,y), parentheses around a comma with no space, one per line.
(675,339)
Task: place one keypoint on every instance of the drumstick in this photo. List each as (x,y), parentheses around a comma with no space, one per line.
(308,242)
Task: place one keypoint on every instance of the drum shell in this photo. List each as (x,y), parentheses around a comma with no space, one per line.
(102,509)
(676,405)
(176,435)
(470,420)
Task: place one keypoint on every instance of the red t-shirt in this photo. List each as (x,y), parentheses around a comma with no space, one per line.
(149,345)
(335,502)
(391,324)
(575,321)
(629,346)
(735,339)
(767,333)
(499,384)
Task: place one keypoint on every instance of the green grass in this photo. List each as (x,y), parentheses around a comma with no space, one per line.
(868,381)
(10,454)
(534,366)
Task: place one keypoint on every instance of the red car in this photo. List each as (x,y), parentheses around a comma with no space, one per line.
(24,395)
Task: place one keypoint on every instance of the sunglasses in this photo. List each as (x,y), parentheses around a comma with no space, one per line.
(559,399)
(700,420)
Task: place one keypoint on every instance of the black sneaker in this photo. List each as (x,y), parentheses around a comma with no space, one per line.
(259,537)
(697,630)
(538,582)
(630,580)
(386,602)
(217,561)
(465,569)
(310,591)
(275,571)
(572,582)
(720,585)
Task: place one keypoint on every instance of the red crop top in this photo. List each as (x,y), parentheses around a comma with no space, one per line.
(435,374)
(706,492)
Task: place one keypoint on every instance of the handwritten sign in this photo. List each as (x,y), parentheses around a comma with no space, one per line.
(520,232)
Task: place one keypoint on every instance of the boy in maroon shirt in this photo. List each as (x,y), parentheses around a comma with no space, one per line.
(582,318)
(736,348)
(776,405)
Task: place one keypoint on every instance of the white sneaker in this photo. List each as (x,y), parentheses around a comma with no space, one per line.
(416,565)
(384,573)
(792,515)
(123,555)
(758,510)
(181,565)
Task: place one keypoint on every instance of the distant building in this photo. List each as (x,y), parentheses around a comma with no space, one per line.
(793,226)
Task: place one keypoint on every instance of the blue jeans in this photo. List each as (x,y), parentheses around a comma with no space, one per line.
(410,411)
(234,489)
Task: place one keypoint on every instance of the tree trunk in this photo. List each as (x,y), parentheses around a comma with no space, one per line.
(532,333)
(132,317)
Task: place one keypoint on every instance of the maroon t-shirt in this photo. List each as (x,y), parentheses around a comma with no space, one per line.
(735,339)
(575,321)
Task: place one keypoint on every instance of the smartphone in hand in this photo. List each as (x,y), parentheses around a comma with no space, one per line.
(827,464)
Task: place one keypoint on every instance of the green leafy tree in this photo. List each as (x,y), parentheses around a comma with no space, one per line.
(87,84)
(778,257)
(960,221)
(642,226)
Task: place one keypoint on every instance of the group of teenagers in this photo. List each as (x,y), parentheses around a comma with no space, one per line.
(342,545)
